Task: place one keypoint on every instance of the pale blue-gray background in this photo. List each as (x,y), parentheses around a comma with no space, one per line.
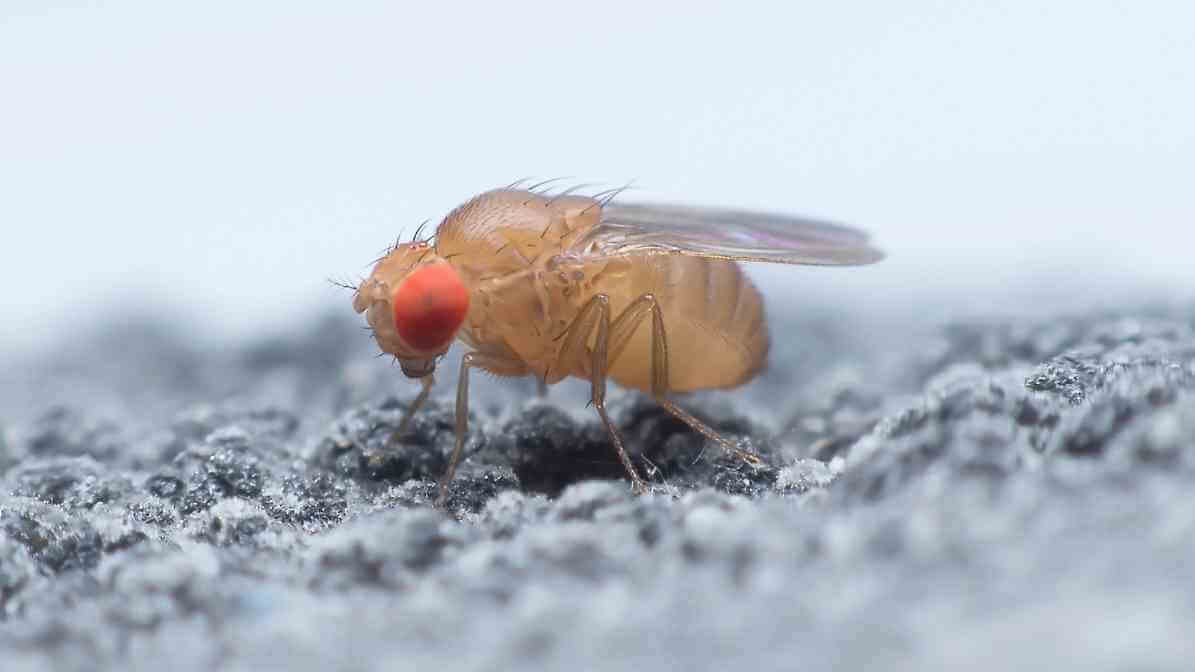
(219,161)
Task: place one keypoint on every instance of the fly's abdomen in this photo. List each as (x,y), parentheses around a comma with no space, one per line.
(713,318)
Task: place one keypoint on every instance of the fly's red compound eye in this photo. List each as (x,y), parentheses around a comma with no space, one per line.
(430,306)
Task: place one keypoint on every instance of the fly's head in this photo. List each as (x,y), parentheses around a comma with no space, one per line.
(415,302)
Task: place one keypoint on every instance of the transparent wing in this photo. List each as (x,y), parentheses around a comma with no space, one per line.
(628,229)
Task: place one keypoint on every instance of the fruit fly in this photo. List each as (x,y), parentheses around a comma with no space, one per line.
(649,296)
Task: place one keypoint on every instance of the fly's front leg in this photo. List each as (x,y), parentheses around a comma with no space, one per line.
(427,382)
(620,334)
(596,315)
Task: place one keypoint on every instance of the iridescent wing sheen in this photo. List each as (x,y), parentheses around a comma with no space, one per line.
(633,229)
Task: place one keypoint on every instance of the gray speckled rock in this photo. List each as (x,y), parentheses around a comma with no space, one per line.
(982,495)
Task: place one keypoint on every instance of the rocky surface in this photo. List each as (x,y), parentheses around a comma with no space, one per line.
(985,494)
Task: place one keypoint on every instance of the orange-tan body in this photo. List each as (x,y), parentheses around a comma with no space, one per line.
(508,245)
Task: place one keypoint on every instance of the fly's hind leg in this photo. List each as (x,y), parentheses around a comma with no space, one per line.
(620,334)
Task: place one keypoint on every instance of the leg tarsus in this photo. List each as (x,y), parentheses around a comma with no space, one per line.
(709,433)
(638,485)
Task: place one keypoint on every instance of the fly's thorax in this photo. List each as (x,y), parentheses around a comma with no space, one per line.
(574,280)
(508,230)
(526,313)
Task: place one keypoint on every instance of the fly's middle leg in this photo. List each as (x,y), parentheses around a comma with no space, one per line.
(596,316)
(620,334)
(468,361)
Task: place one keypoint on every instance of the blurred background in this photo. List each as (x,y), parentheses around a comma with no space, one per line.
(217,163)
